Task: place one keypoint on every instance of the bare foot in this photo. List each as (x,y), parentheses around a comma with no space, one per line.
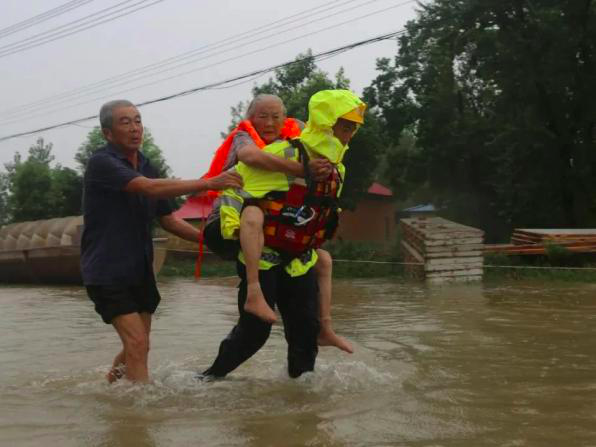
(116,373)
(328,337)
(256,304)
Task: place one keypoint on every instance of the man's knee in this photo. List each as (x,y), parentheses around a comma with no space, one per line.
(252,216)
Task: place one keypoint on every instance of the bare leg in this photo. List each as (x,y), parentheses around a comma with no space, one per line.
(327,336)
(133,330)
(252,241)
(119,366)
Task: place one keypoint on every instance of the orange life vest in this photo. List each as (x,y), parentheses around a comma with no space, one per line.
(303,217)
(290,129)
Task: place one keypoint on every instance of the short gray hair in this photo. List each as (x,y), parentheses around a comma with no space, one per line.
(106,113)
(259,99)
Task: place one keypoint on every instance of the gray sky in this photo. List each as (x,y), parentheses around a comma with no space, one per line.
(187,128)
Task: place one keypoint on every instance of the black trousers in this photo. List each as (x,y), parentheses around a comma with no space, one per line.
(297,301)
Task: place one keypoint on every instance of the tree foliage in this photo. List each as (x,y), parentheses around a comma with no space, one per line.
(295,84)
(500,98)
(36,190)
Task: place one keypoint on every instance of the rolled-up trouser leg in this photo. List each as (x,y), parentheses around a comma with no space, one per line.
(298,305)
(250,333)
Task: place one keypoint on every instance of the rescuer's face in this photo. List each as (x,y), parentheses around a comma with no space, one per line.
(344,130)
(127,128)
(268,119)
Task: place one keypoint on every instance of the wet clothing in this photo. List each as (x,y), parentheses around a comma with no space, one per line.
(225,248)
(113,300)
(117,247)
(297,300)
(240,139)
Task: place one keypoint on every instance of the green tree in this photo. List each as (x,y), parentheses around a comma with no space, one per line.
(66,192)
(96,140)
(295,84)
(499,97)
(34,190)
(30,184)
(5,216)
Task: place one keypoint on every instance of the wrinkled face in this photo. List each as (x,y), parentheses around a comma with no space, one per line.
(127,129)
(344,130)
(268,119)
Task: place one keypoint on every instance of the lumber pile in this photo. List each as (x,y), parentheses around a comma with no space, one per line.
(445,251)
(526,241)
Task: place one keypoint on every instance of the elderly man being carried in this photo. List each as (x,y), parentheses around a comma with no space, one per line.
(266,123)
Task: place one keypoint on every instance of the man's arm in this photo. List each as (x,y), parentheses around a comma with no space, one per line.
(167,188)
(254,157)
(179,227)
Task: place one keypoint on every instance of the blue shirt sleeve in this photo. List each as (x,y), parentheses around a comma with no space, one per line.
(110,173)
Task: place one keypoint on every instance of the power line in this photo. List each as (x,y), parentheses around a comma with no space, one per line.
(176,62)
(164,62)
(234,58)
(59,33)
(326,54)
(35,20)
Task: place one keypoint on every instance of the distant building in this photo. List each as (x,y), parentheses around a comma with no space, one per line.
(373,220)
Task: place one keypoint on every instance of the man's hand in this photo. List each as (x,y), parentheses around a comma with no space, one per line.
(320,168)
(227,179)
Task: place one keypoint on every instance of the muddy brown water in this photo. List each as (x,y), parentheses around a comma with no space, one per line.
(471,365)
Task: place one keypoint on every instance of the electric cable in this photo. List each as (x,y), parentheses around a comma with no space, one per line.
(325,54)
(40,18)
(56,33)
(234,58)
(140,73)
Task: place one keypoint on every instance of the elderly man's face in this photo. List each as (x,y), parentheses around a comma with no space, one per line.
(268,119)
(127,129)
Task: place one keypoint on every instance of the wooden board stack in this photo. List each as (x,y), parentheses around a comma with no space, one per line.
(445,251)
(534,241)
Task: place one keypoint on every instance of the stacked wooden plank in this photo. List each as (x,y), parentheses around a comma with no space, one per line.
(445,251)
(526,241)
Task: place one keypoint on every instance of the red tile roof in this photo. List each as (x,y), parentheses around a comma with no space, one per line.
(195,207)
(379,190)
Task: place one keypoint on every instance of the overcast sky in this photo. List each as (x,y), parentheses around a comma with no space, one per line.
(187,128)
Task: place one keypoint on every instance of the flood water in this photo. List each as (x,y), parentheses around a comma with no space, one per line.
(471,365)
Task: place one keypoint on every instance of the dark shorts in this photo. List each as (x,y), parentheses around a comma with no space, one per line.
(114,300)
(225,248)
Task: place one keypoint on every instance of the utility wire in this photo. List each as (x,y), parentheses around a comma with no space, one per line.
(59,33)
(166,64)
(234,58)
(318,56)
(35,20)
(142,69)
(206,48)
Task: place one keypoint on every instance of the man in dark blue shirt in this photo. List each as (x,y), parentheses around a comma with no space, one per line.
(122,197)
